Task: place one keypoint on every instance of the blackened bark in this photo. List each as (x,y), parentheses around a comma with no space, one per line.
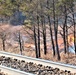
(66,28)
(56,38)
(36,48)
(20,43)
(75,36)
(3,41)
(74,29)
(44,34)
(43,29)
(3,37)
(65,31)
(38,36)
(64,39)
(55,31)
(67,44)
(51,35)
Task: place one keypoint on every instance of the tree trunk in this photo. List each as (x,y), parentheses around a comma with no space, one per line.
(74,30)
(3,41)
(51,35)
(36,48)
(20,43)
(56,38)
(44,34)
(38,36)
(65,32)
(75,36)
(55,31)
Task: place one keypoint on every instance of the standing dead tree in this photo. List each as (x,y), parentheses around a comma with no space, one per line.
(20,41)
(50,26)
(43,23)
(55,29)
(3,38)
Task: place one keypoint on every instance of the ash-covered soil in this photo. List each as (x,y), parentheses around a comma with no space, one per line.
(12,44)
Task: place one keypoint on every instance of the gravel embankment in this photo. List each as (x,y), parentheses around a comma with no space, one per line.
(32,67)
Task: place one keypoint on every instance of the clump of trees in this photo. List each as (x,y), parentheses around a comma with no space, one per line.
(42,13)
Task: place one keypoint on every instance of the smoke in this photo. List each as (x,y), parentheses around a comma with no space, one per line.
(72,49)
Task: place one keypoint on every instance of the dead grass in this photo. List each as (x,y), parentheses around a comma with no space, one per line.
(65,58)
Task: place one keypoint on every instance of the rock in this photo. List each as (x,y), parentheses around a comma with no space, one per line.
(32,67)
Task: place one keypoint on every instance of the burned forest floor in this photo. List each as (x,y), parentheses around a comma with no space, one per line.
(11,44)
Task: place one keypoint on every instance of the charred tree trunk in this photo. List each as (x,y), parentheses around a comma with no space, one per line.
(20,43)
(51,35)
(65,31)
(56,38)
(74,30)
(3,41)
(35,39)
(44,34)
(55,31)
(38,37)
(74,34)
(64,39)
(66,28)
(3,37)
(67,44)
(43,28)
